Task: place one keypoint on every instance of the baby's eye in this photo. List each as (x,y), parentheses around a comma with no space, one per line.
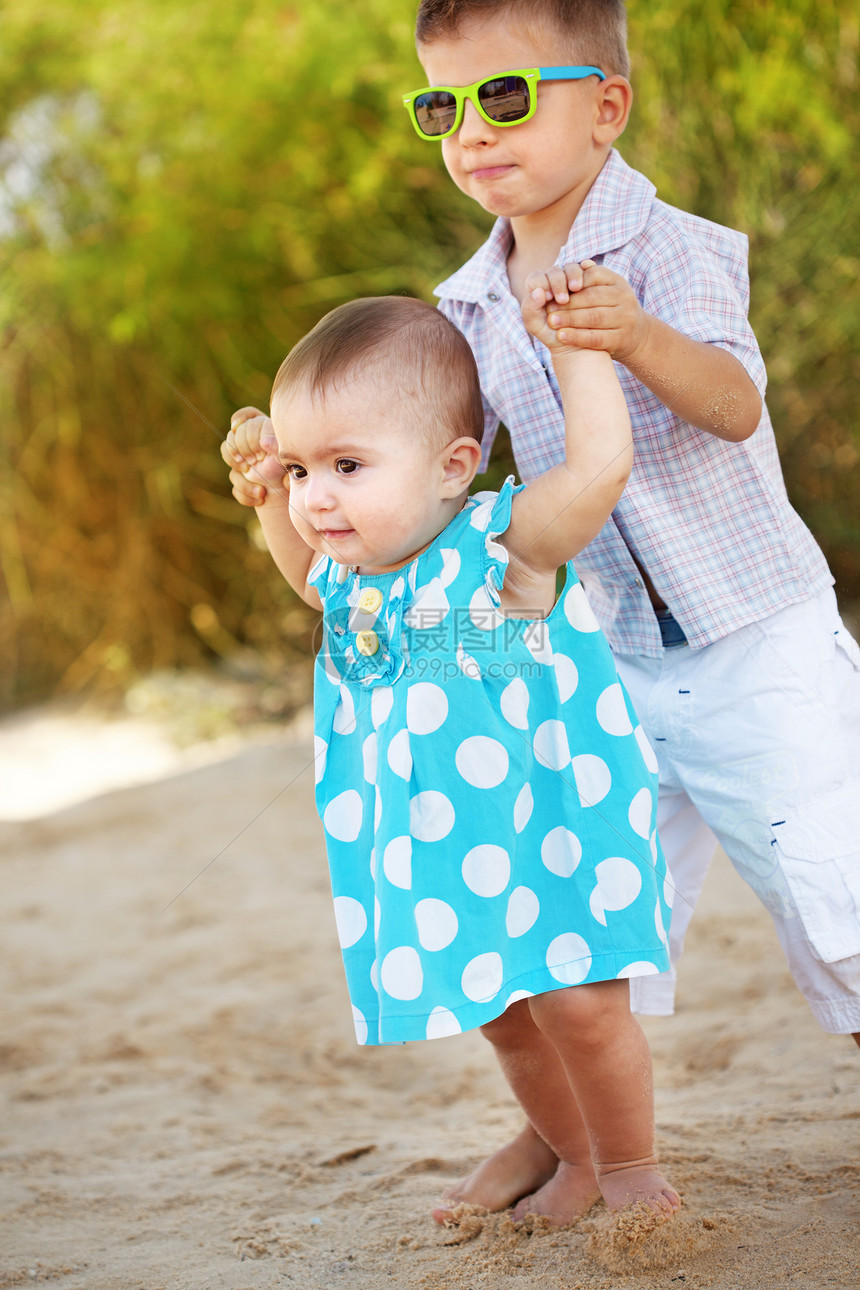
(346,466)
(295,471)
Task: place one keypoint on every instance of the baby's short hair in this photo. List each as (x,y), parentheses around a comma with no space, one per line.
(398,340)
(593,32)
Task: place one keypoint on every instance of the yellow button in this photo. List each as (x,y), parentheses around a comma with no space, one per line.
(370,600)
(367,642)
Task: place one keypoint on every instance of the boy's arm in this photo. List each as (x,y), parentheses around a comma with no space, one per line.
(563,509)
(701,383)
(258,480)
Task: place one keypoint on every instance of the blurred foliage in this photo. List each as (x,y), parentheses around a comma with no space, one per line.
(185,189)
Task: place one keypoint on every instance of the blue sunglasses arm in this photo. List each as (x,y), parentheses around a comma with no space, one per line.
(569,73)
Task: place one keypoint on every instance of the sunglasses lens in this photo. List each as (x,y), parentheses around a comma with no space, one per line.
(505,99)
(435,112)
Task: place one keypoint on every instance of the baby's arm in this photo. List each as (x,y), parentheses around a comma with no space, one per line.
(561,511)
(259,480)
(702,384)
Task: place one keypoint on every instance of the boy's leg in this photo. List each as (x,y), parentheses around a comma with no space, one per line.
(762,729)
(606,1059)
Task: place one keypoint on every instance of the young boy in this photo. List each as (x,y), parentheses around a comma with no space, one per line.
(716,599)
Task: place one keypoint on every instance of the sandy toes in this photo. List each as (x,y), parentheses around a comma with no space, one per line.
(516,1169)
(569,1194)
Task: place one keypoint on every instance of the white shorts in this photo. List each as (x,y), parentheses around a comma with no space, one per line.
(758,744)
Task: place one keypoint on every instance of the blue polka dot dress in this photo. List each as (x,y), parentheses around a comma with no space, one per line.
(487,794)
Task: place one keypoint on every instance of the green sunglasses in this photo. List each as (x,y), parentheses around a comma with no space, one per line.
(509,99)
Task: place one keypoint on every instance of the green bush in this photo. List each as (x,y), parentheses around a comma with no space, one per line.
(189,187)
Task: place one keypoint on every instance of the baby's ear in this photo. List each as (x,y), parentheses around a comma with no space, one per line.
(460,461)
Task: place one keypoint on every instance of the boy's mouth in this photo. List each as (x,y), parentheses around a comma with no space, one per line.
(490,172)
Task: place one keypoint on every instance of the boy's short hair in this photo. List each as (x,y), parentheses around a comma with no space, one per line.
(396,339)
(593,32)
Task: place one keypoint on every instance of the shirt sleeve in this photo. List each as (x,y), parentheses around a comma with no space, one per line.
(702,290)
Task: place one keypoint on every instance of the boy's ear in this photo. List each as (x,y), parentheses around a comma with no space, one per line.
(615,98)
(460,461)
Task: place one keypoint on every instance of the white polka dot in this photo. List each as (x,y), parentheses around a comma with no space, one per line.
(320,752)
(442,1023)
(641,968)
(373,863)
(551,746)
(514,702)
(593,780)
(517,995)
(561,851)
(400,755)
(429,606)
(569,958)
(377,915)
(431,816)
(523,807)
(360,1026)
(401,973)
(566,675)
(578,611)
(481,513)
(351,920)
(618,884)
(397,862)
(648,755)
(612,714)
(368,754)
(467,664)
(374,975)
(639,814)
(397,588)
(377,809)
(450,565)
(344,714)
(483,612)
(482,977)
(436,922)
(342,816)
(381,701)
(523,909)
(482,762)
(668,890)
(426,708)
(487,870)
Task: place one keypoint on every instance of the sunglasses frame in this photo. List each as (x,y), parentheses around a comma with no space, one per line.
(531,75)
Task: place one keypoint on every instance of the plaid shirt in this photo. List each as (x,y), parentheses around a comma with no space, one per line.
(709,520)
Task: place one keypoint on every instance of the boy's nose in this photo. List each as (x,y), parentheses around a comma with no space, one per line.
(473,128)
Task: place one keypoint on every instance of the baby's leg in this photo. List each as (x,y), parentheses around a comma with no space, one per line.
(605,1055)
(538,1080)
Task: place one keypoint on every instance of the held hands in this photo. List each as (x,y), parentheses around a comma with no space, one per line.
(251,452)
(584,306)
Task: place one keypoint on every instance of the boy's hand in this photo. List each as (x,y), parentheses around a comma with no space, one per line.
(601,312)
(250,450)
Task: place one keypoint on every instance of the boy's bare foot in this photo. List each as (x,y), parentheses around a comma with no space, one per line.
(639,1183)
(520,1166)
(568,1195)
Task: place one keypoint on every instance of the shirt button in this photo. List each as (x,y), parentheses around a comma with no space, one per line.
(367,643)
(639,583)
(494,296)
(370,600)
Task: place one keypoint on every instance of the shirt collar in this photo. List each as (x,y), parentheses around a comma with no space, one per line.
(616,208)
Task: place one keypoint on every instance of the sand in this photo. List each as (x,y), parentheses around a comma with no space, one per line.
(184,1106)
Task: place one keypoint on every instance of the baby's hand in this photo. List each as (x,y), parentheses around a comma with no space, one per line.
(602,313)
(250,450)
(544,293)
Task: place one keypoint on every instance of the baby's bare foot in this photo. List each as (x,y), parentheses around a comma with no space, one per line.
(524,1163)
(568,1195)
(639,1183)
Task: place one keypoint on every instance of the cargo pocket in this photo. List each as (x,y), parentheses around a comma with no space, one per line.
(819,849)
